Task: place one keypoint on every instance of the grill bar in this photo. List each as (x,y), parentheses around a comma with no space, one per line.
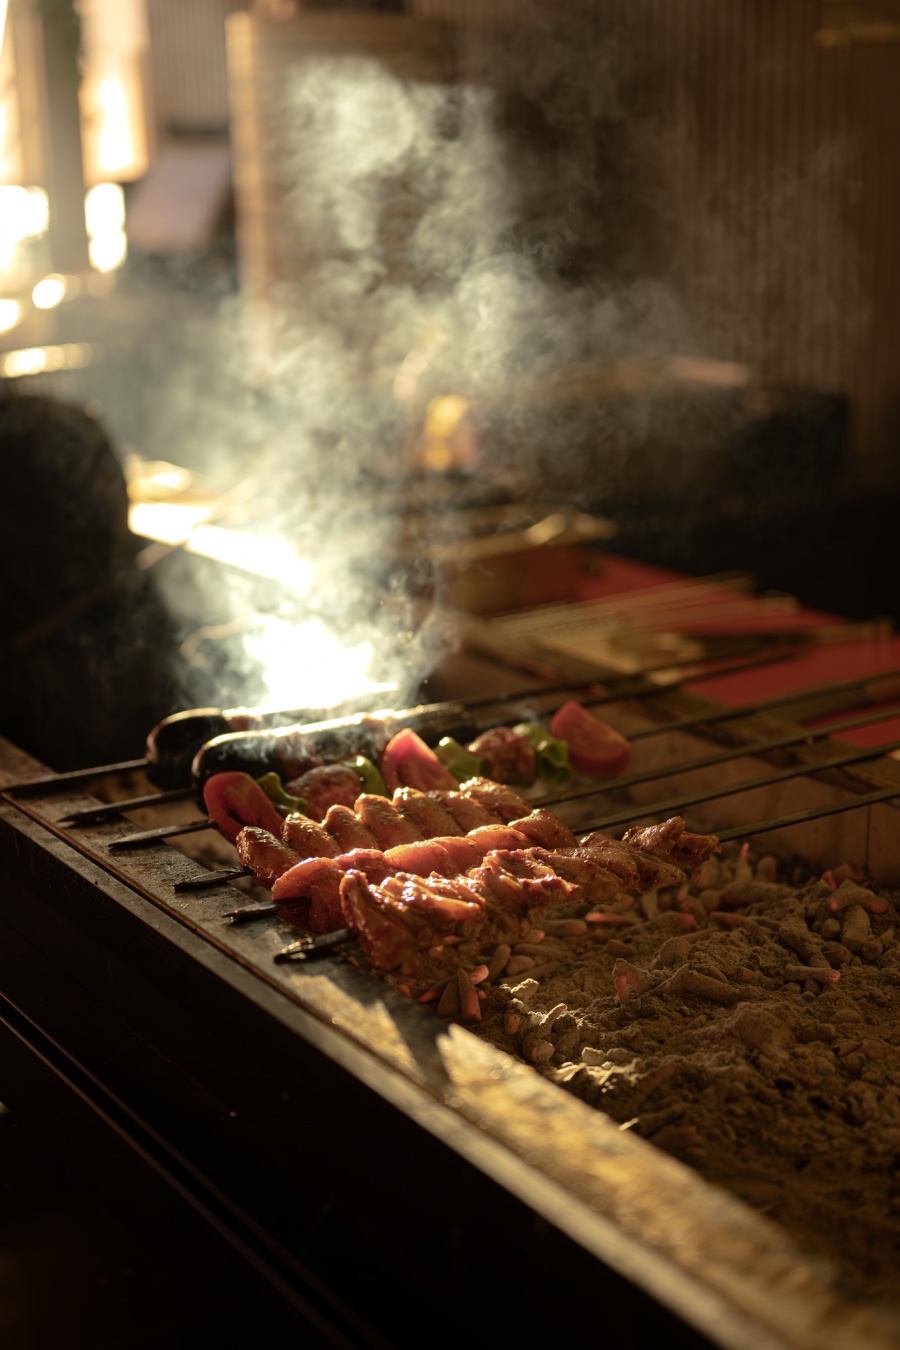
(747,785)
(152,836)
(651,775)
(99,815)
(59,782)
(867,685)
(813,813)
(725,756)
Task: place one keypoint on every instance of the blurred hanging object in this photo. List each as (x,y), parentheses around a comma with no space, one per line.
(113,96)
(40,142)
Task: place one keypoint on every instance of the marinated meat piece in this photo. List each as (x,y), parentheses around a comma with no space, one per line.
(671,842)
(499,923)
(295,883)
(431,910)
(319,881)
(384,938)
(534,886)
(423,858)
(545,829)
(308,838)
(347,830)
(494,797)
(267,857)
(499,836)
(509,755)
(655,873)
(615,857)
(597,883)
(328,785)
(371,861)
(383,820)
(424,812)
(465,852)
(467,812)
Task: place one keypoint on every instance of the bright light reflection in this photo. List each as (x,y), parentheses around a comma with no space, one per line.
(115,144)
(104,216)
(10,313)
(307,666)
(108,251)
(39,360)
(38,212)
(263,557)
(104,209)
(24,214)
(166,522)
(49,292)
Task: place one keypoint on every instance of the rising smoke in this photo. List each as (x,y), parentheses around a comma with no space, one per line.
(480,238)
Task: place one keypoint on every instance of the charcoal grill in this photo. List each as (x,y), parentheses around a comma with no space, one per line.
(360,1154)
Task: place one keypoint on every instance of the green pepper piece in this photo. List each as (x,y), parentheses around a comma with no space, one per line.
(283,802)
(369,775)
(552,763)
(459,761)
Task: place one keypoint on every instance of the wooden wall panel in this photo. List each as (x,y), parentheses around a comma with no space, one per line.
(780,187)
(187,46)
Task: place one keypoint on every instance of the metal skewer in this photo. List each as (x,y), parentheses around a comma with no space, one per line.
(306,947)
(152,836)
(649,776)
(99,815)
(723,757)
(777,701)
(813,813)
(217,878)
(58,781)
(747,785)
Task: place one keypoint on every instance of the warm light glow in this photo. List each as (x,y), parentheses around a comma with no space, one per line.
(104,216)
(155,479)
(179,523)
(166,522)
(448,441)
(10,313)
(38,212)
(111,97)
(104,209)
(41,360)
(115,143)
(50,292)
(108,251)
(307,666)
(24,214)
(263,557)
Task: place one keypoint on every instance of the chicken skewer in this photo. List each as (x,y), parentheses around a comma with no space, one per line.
(428,933)
(411,835)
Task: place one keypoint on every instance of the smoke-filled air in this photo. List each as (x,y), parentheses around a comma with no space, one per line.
(455,262)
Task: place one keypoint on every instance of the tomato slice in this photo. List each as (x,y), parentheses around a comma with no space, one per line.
(595,748)
(234,800)
(408,762)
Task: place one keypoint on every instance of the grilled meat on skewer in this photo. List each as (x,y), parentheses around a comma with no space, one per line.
(670,842)
(509,757)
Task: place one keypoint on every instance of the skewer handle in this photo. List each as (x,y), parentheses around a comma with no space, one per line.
(152,836)
(309,947)
(212,879)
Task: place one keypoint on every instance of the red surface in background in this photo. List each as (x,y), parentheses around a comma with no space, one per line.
(819,665)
